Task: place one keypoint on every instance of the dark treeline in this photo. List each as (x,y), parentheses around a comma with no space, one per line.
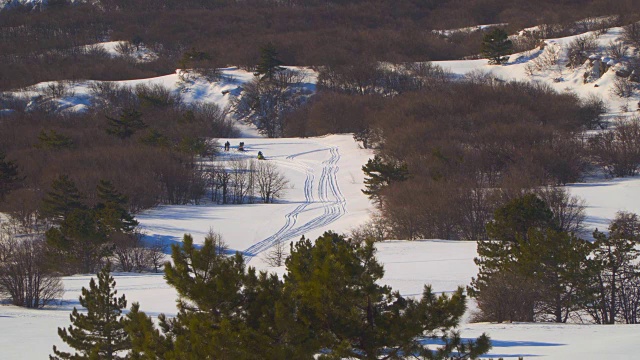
(462,150)
(43,45)
(145,141)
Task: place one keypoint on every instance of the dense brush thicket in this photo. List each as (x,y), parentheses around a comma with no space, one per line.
(45,45)
(463,147)
(145,141)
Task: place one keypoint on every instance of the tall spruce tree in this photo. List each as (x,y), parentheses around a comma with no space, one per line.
(79,243)
(547,267)
(379,174)
(54,140)
(100,333)
(9,178)
(63,198)
(269,63)
(495,46)
(123,127)
(111,209)
(559,265)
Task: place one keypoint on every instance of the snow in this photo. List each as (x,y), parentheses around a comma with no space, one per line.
(326,179)
(469,29)
(605,197)
(569,79)
(324,193)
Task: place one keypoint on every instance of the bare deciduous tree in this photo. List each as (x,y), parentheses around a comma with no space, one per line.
(631,34)
(622,87)
(276,255)
(568,210)
(375,229)
(265,102)
(270,182)
(618,150)
(616,50)
(24,275)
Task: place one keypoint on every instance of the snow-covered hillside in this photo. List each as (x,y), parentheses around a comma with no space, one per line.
(324,194)
(560,77)
(78,95)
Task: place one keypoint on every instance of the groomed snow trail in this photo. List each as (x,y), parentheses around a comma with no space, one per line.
(330,199)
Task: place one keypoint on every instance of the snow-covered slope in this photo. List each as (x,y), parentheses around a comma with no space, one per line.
(558,76)
(325,194)
(78,93)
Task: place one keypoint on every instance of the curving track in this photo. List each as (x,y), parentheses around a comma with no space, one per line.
(330,202)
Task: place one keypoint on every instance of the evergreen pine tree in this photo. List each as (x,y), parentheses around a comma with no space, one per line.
(54,140)
(62,199)
(269,63)
(330,302)
(9,178)
(559,265)
(191,57)
(111,209)
(549,268)
(380,174)
(127,124)
(225,311)
(79,242)
(155,138)
(495,45)
(335,285)
(100,334)
(616,255)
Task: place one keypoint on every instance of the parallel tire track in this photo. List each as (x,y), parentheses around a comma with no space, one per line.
(330,197)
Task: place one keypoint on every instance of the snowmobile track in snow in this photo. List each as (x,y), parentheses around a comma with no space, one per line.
(330,197)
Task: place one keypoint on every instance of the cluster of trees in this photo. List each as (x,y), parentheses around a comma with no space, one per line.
(143,139)
(47,45)
(534,267)
(464,149)
(244,181)
(274,92)
(26,278)
(70,236)
(328,304)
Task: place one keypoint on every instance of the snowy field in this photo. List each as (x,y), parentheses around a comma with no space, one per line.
(324,194)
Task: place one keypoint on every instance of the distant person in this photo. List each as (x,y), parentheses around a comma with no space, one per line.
(260,156)
(227,146)
(241,146)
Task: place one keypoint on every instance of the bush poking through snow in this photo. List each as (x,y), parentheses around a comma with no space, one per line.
(580,48)
(616,50)
(548,60)
(25,277)
(622,87)
(276,256)
(631,34)
(618,150)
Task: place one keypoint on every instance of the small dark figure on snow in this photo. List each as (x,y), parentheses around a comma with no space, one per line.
(260,156)
(241,146)
(227,145)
